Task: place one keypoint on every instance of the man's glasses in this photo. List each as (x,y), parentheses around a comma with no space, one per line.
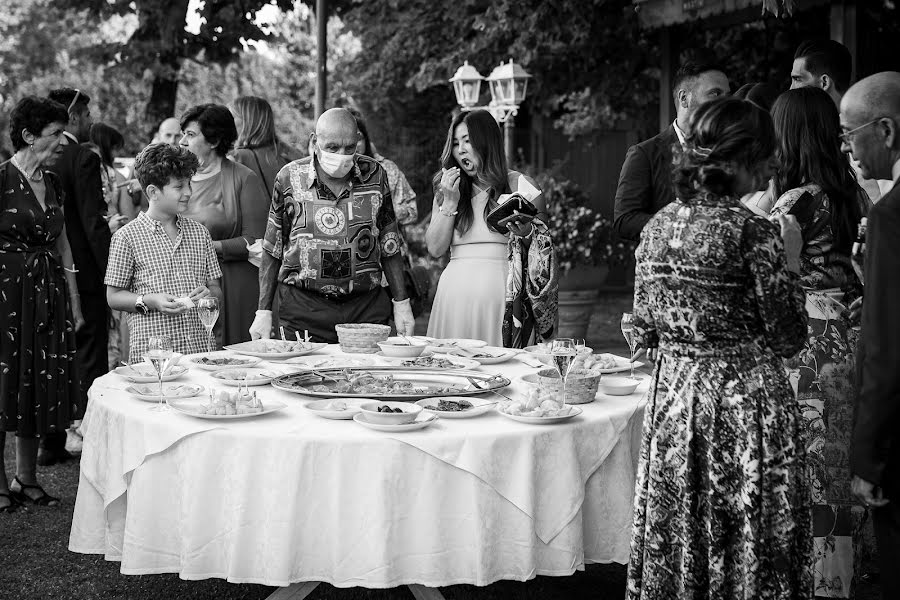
(847,135)
(74,100)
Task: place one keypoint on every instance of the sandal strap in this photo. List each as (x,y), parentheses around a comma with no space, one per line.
(44,499)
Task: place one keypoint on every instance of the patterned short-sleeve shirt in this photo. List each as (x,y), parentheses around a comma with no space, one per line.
(143,260)
(326,244)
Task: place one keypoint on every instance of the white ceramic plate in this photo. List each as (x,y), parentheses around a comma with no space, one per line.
(479,407)
(233,362)
(499,355)
(573,412)
(189,407)
(150,393)
(331,362)
(252,349)
(245,377)
(448,346)
(144,373)
(458,362)
(421,422)
(323,408)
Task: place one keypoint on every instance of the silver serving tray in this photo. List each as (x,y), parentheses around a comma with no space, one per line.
(297,382)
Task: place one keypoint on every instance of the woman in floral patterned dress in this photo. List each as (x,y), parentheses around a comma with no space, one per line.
(816,184)
(721,499)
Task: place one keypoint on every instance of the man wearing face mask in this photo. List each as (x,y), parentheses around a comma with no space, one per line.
(331,234)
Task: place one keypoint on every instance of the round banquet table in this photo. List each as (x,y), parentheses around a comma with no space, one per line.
(291,497)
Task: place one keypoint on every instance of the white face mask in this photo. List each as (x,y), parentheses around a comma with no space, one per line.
(336,165)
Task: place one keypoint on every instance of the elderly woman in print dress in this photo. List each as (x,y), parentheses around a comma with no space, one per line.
(500,286)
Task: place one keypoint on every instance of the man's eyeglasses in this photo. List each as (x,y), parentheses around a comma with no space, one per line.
(847,135)
(74,100)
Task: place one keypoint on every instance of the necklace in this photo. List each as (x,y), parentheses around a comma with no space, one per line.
(37,175)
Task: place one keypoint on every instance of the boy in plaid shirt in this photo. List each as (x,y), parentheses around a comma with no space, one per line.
(161,263)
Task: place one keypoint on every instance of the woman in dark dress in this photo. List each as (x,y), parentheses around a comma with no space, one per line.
(38,299)
(721,498)
(816,184)
(230,200)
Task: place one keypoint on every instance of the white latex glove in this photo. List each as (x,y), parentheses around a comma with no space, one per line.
(262,325)
(403,317)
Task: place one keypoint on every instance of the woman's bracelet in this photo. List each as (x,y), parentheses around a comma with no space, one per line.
(71,269)
(447,214)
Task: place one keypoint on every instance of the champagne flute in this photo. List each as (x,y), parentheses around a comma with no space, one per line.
(563,353)
(159,354)
(629,333)
(208,311)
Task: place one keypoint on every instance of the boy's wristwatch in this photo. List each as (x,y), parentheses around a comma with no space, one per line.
(140,306)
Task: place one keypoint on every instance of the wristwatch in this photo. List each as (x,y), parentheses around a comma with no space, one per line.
(140,306)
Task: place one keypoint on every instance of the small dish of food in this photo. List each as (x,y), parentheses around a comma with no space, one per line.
(457,408)
(215,361)
(401,349)
(390,413)
(618,386)
(245,377)
(336,408)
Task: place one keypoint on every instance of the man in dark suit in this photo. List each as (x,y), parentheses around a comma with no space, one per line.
(645,182)
(88,232)
(870,120)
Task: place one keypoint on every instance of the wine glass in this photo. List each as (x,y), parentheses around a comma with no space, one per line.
(629,333)
(160,355)
(563,353)
(208,311)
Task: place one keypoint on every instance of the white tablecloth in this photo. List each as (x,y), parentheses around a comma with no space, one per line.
(290,497)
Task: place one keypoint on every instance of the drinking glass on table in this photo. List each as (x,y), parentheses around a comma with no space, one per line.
(208,311)
(629,333)
(160,355)
(563,353)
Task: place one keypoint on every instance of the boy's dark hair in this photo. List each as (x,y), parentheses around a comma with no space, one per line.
(34,113)
(693,66)
(158,163)
(827,57)
(216,124)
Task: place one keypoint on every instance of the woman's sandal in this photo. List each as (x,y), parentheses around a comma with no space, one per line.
(21,497)
(13,503)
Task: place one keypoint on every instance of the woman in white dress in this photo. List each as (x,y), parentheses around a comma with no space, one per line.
(471,296)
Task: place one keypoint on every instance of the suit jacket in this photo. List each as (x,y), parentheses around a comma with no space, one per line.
(78,169)
(645,183)
(875,453)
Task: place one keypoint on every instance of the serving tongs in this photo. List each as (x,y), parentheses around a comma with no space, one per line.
(476,384)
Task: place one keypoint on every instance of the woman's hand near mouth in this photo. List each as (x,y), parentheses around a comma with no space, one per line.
(449,187)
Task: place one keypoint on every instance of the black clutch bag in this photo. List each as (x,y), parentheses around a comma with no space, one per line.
(515,202)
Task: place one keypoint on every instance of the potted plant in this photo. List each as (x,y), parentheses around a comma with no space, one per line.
(586,247)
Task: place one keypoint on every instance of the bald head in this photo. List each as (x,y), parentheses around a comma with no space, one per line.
(870,119)
(336,122)
(334,141)
(169,131)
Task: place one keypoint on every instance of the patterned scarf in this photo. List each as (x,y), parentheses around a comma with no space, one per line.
(532,289)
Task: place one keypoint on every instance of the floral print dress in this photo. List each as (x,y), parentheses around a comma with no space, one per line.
(823,375)
(38,387)
(721,508)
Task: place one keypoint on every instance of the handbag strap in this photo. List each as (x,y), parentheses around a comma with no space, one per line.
(261,174)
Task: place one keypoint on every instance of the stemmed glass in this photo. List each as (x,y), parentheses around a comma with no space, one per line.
(208,311)
(563,353)
(160,355)
(629,333)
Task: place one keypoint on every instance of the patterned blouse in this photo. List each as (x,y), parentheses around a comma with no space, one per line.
(822,266)
(402,194)
(330,245)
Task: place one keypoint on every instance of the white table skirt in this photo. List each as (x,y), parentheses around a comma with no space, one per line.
(291,497)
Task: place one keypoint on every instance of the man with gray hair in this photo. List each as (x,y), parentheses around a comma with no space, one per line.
(331,234)
(870,120)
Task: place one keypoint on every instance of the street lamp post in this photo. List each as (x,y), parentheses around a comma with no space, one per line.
(508,85)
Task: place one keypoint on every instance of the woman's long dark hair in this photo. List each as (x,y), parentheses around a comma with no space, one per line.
(106,138)
(809,151)
(726,133)
(487,142)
